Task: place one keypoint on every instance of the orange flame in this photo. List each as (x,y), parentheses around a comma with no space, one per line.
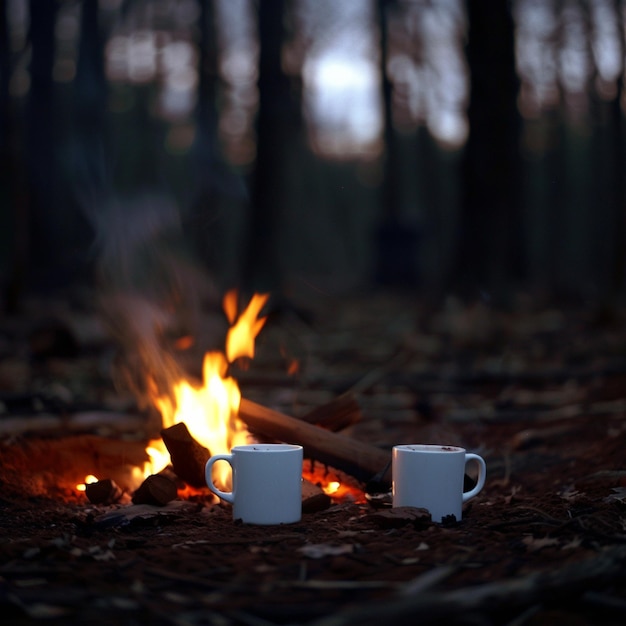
(210,409)
(229,304)
(240,338)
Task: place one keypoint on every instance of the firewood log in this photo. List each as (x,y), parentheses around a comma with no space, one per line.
(354,457)
(187,455)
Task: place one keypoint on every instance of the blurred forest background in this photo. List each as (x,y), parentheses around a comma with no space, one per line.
(442,146)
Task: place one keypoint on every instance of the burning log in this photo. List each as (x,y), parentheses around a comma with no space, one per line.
(339,413)
(187,455)
(356,458)
(191,462)
(156,489)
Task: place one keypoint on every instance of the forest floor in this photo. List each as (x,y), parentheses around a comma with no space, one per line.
(539,392)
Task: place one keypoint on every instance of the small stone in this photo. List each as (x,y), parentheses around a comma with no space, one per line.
(401,516)
(318,502)
(313,498)
(103,492)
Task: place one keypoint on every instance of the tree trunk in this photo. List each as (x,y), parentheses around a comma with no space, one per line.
(43,172)
(275,126)
(14,207)
(489,253)
(396,238)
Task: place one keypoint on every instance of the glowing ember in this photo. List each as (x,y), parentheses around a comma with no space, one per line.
(229,304)
(293,368)
(184,343)
(339,486)
(331,487)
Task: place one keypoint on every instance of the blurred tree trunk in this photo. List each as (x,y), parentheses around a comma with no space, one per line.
(91,94)
(206,145)
(489,252)
(5,72)
(276,125)
(396,238)
(209,82)
(13,237)
(43,224)
(90,178)
(619,168)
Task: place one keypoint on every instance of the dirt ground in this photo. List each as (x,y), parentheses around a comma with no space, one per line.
(539,392)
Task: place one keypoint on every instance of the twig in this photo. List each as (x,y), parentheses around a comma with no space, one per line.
(243,617)
(339,584)
(426,581)
(605,601)
(517,592)
(525,615)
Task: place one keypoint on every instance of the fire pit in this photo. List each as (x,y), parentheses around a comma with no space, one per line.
(543,540)
(200,418)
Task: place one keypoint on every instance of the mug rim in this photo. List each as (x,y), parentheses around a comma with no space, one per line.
(430,448)
(272,448)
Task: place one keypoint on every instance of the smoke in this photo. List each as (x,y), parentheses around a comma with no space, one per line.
(151,291)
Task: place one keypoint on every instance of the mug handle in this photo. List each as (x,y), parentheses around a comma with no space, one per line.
(225,495)
(482,472)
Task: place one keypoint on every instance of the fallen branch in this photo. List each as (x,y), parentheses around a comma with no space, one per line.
(339,413)
(433,606)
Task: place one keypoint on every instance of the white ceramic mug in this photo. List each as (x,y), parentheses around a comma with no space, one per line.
(267,482)
(431,477)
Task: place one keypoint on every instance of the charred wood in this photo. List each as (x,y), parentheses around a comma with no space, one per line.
(188,456)
(156,489)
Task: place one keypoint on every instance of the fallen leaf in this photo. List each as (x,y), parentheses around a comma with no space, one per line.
(31,552)
(320,550)
(576,542)
(30,582)
(534,543)
(618,495)
(401,516)
(103,556)
(188,544)
(571,493)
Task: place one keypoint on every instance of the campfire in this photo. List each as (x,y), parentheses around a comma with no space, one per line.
(209,416)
